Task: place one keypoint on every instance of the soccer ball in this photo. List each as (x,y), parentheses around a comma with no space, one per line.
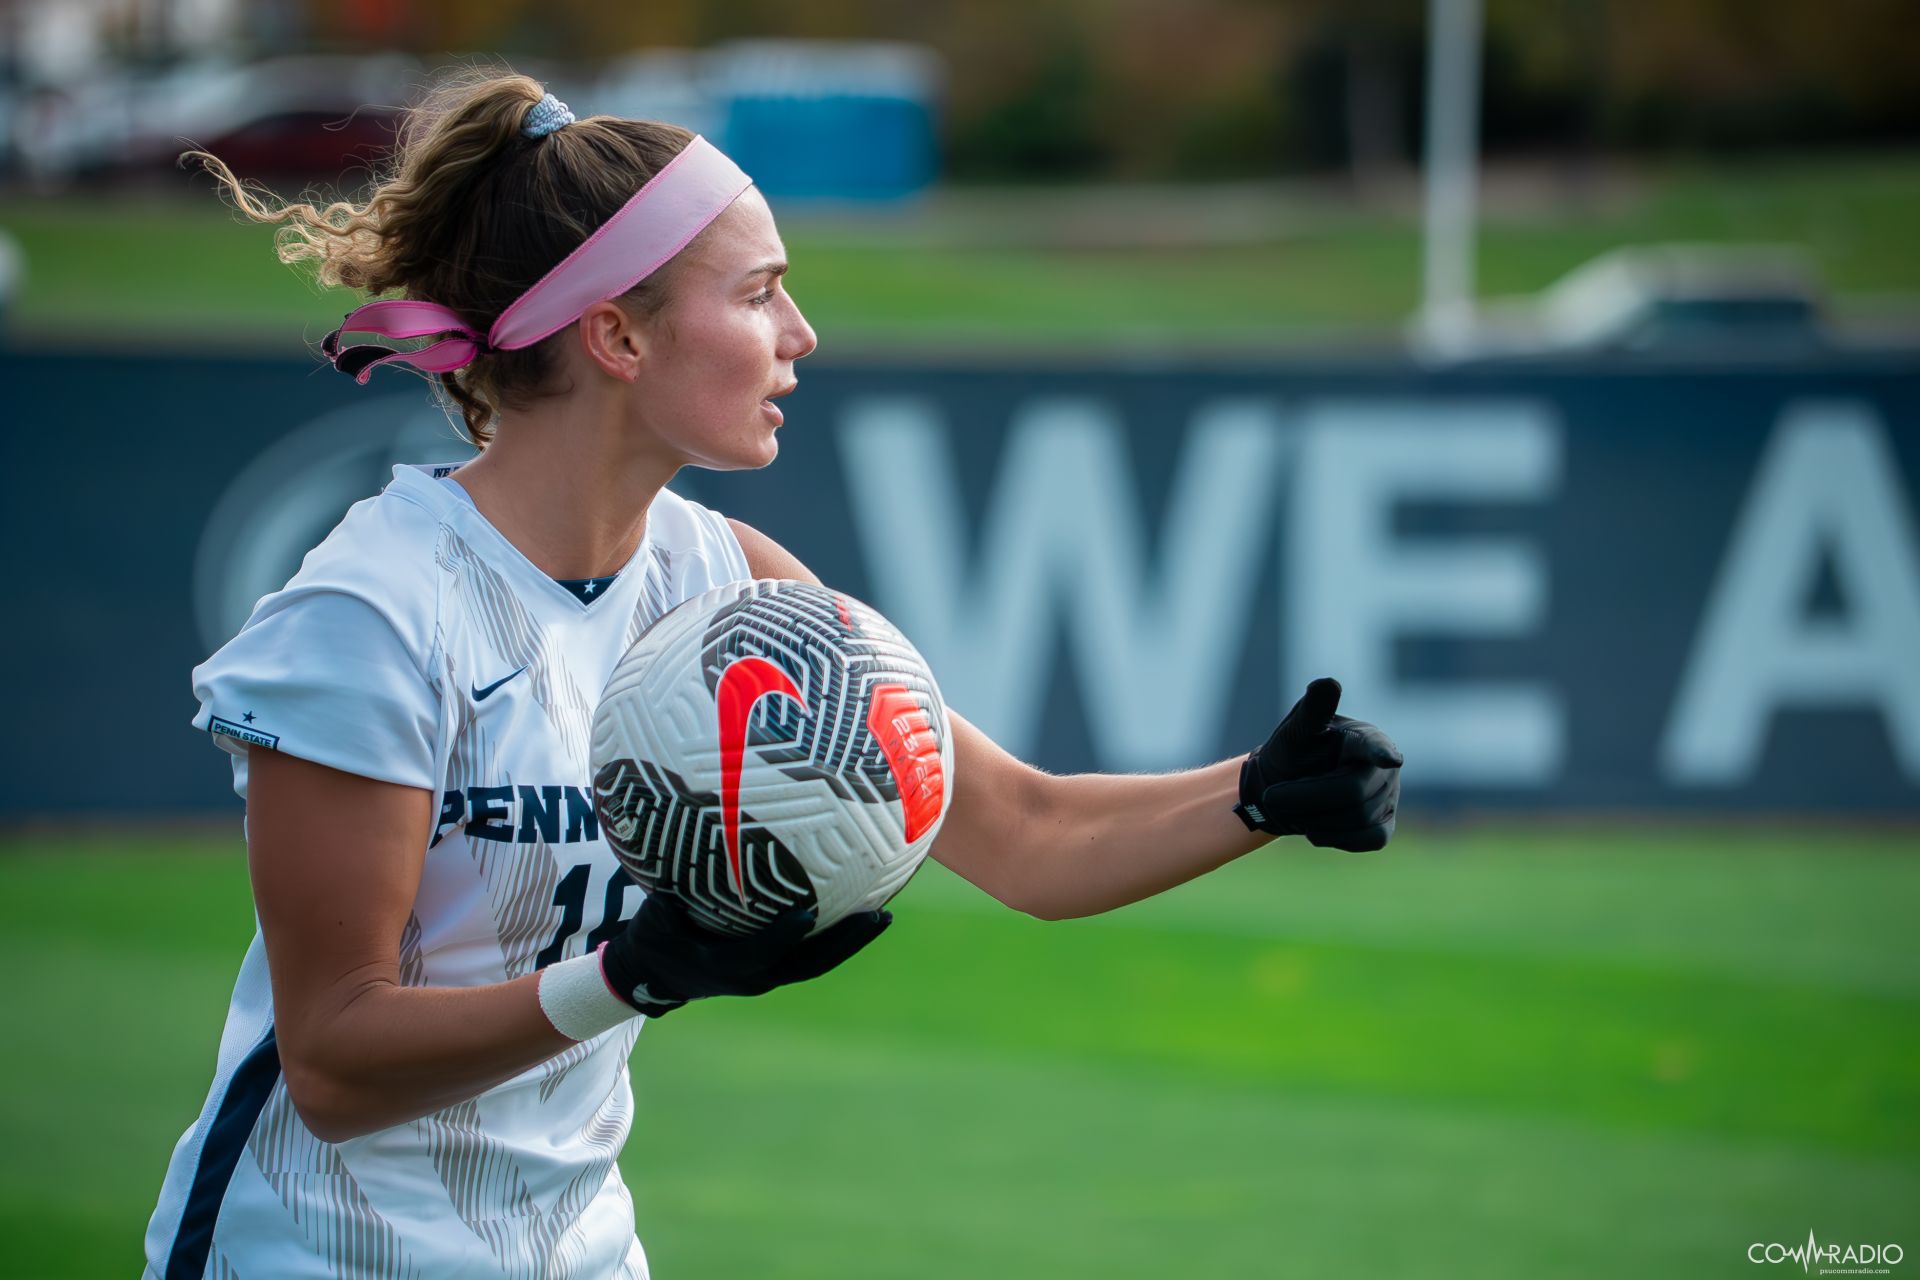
(767,745)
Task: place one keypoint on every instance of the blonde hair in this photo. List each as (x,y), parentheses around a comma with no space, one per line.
(470,213)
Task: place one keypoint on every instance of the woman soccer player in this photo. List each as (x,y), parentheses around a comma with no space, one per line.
(424,1066)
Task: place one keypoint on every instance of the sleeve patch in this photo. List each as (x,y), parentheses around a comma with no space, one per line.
(243,733)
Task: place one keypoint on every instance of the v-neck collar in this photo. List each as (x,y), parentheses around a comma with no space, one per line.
(452,494)
(590,591)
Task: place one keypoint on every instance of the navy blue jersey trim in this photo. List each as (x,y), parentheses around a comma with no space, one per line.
(232,1125)
(587,590)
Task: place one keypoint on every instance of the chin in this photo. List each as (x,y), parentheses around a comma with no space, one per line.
(745,459)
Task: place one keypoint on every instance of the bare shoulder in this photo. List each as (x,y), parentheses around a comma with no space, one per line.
(767,558)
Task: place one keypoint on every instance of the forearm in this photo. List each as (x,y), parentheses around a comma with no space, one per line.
(1099,841)
(1076,846)
(376,1054)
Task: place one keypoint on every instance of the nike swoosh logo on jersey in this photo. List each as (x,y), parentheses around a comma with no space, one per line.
(481,695)
(742,684)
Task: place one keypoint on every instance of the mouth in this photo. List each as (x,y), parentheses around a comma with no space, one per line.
(771,409)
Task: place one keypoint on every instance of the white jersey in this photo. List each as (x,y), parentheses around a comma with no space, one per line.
(416,645)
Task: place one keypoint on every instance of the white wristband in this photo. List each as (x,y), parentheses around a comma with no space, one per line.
(577,1000)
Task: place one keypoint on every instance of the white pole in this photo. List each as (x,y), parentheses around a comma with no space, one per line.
(1452,158)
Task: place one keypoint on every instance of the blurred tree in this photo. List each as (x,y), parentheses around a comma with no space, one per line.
(1246,88)
(1382,41)
(1045,129)
(1756,72)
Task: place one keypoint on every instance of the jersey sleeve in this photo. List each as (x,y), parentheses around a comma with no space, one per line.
(733,557)
(712,538)
(323,675)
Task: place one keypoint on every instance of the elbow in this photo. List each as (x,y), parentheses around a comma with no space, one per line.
(326,1106)
(1047,882)
(1005,836)
(1053,908)
(1036,883)
(1043,906)
(1015,892)
(1014,896)
(1046,896)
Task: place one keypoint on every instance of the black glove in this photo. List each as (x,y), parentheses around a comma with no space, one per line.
(662,959)
(1333,780)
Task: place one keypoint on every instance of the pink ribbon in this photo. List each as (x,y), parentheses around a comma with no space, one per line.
(674,206)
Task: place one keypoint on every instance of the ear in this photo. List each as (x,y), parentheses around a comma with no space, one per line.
(613,340)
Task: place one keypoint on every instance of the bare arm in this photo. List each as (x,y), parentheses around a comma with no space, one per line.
(336,861)
(1059,847)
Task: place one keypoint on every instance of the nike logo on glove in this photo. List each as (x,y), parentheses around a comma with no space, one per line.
(481,695)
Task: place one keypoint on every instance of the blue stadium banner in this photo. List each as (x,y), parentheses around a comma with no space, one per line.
(1579,586)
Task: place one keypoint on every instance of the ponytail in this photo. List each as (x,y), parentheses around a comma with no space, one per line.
(469,213)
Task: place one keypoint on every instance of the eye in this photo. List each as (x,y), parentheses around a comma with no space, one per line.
(762,298)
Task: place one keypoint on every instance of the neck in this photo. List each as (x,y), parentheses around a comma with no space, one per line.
(562,482)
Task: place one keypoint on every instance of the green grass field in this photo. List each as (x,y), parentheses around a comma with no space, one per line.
(1001,272)
(1516,1052)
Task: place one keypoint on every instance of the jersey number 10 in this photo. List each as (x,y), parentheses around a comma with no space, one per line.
(570,895)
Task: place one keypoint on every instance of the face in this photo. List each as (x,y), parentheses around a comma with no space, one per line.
(721,351)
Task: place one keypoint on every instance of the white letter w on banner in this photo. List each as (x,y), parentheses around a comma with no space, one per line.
(1156,639)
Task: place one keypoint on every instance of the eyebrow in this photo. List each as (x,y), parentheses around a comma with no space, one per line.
(767,269)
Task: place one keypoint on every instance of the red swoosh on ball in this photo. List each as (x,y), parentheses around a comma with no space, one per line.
(899,725)
(742,684)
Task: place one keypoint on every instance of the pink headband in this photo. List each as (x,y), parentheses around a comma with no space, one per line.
(674,206)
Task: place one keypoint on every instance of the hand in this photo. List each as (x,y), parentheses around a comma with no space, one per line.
(662,959)
(1334,780)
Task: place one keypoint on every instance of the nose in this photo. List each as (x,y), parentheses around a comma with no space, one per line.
(797,338)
